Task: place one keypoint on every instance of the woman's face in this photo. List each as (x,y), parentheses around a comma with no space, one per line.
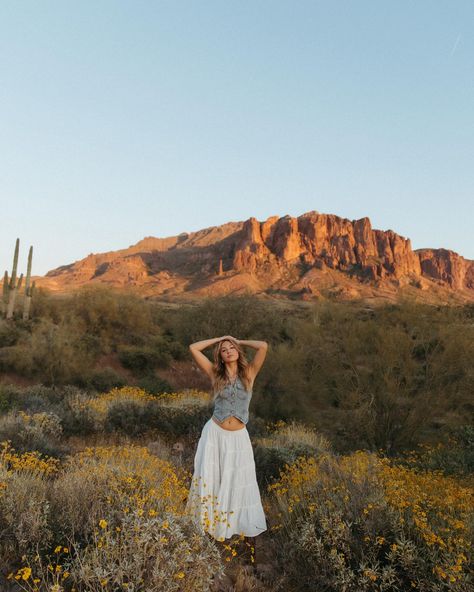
(229,352)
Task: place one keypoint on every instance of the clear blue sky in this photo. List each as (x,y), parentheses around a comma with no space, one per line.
(120,120)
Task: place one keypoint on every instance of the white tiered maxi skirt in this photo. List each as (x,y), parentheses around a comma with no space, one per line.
(224,497)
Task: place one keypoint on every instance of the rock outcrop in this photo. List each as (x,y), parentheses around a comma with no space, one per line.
(281,254)
(447,267)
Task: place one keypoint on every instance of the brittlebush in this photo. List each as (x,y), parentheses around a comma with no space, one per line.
(363,522)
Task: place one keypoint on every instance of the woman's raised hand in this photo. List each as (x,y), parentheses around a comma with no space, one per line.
(229,337)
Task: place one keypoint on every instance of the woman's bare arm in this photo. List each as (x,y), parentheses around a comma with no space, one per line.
(259,358)
(201,360)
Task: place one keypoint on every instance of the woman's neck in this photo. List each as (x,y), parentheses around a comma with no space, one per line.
(232,370)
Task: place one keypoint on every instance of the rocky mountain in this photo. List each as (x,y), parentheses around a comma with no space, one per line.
(312,256)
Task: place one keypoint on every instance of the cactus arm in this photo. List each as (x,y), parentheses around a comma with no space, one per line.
(15,263)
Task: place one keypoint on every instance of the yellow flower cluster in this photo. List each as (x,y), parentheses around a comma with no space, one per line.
(437,510)
(138,479)
(33,461)
(100,404)
(55,572)
(294,480)
(183,395)
(274,426)
(140,492)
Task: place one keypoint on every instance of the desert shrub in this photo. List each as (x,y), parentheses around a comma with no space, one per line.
(133,418)
(183,413)
(257,426)
(102,380)
(133,411)
(284,445)
(168,347)
(8,394)
(151,383)
(24,513)
(130,417)
(142,359)
(245,317)
(46,305)
(33,399)
(119,514)
(9,333)
(77,416)
(32,431)
(176,558)
(39,397)
(361,522)
(52,353)
(281,390)
(24,506)
(178,422)
(385,378)
(116,410)
(110,317)
(68,403)
(176,350)
(36,398)
(453,455)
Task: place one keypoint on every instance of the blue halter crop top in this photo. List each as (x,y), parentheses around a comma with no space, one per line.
(232,400)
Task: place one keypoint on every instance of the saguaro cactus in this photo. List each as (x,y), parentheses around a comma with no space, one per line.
(13,292)
(5,293)
(28,289)
(13,286)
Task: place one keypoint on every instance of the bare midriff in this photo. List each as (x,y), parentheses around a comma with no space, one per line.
(230,423)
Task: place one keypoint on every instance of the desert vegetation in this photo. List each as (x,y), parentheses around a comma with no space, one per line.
(361,423)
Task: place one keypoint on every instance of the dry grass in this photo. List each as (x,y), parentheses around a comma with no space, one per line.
(295,435)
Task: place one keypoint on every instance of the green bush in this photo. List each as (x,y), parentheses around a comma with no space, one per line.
(52,354)
(385,378)
(154,385)
(134,418)
(130,417)
(245,317)
(9,333)
(454,455)
(178,422)
(283,446)
(102,380)
(33,431)
(8,394)
(142,359)
(111,317)
(77,418)
(32,398)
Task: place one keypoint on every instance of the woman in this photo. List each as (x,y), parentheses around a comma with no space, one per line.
(224,498)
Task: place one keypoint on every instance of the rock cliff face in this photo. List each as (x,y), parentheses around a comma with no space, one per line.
(447,267)
(295,255)
(338,243)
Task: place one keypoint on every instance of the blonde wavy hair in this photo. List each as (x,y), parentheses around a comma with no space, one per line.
(220,376)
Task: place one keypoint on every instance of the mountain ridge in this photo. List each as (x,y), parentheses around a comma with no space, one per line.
(297,257)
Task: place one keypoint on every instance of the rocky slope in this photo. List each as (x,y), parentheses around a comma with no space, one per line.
(313,255)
